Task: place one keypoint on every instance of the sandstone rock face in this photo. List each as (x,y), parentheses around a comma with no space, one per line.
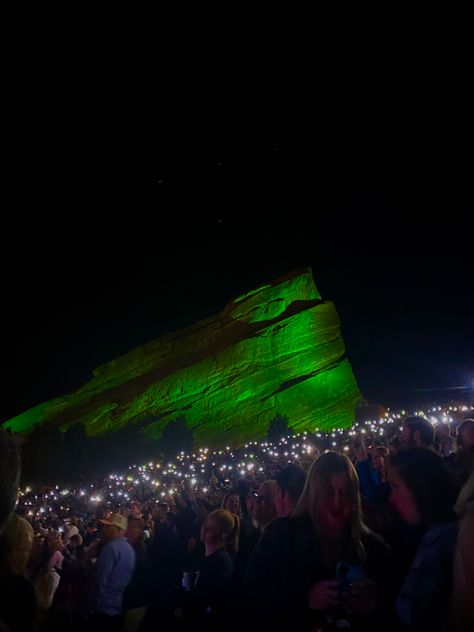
(276,350)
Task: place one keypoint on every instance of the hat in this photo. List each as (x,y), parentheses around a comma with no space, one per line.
(117,520)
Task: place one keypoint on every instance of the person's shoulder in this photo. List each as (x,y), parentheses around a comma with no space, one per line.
(288,525)
(219,559)
(374,543)
(279,525)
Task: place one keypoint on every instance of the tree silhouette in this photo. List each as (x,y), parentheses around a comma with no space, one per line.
(176,437)
(278,428)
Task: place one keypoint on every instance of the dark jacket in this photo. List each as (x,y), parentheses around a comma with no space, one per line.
(423,602)
(287,561)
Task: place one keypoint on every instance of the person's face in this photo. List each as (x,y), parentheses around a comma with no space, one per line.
(402,499)
(264,509)
(378,460)
(406,436)
(233,504)
(160,513)
(191,545)
(335,510)
(467,438)
(210,532)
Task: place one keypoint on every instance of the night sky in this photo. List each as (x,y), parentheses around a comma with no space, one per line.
(99,259)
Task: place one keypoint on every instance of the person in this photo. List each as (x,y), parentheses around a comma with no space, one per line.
(18,603)
(114,572)
(463,602)
(137,592)
(289,487)
(201,602)
(416,432)
(443,442)
(372,471)
(423,493)
(10,466)
(47,576)
(462,462)
(208,594)
(19,535)
(92,533)
(292,580)
(231,502)
(264,509)
(165,554)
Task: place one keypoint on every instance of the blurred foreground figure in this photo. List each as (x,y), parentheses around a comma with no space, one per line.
(18,607)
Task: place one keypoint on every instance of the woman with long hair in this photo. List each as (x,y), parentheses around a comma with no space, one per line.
(231,502)
(463,604)
(318,568)
(423,495)
(462,461)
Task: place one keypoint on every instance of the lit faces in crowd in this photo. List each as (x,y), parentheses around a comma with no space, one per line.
(406,435)
(233,504)
(335,509)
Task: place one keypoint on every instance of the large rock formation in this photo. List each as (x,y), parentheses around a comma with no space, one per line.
(277,350)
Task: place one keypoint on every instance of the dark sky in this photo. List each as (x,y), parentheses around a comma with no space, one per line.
(99,259)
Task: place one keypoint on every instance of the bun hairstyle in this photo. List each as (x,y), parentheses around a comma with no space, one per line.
(229,525)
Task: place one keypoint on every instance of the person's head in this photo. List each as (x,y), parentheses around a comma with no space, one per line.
(231,502)
(134,533)
(441,430)
(331,497)
(289,487)
(220,530)
(10,465)
(416,432)
(170,519)
(192,544)
(465,500)
(465,436)
(113,527)
(160,511)
(422,491)
(136,509)
(264,508)
(75,541)
(16,545)
(394,445)
(380,458)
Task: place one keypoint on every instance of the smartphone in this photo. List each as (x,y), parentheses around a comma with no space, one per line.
(349,573)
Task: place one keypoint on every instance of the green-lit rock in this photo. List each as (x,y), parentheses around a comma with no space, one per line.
(275,350)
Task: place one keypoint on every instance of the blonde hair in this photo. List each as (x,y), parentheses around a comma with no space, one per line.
(465,499)
(316,488)
(229,525)
(226,498)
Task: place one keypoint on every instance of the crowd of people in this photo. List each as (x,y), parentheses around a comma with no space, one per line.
(369,528)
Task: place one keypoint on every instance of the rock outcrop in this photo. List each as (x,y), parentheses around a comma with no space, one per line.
(277,350)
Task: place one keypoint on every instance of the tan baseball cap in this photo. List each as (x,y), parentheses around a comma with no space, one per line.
(117,520)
